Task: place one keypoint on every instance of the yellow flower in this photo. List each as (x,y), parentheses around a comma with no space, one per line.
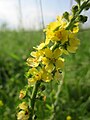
(55,36)
(23,106)
(60,35)
(46,76)
(55,31)
(1,103)
(22,94)
(36,74)
(62,21)
(31,81)
(52,60)
(59,63)
(40,74)
(73,43)
(75,28)
(34,61)
(52,26)
(68,117)
(23,115)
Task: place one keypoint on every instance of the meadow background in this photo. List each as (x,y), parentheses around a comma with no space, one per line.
(74,100)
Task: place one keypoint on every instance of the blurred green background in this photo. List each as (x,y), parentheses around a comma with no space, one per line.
(74,100)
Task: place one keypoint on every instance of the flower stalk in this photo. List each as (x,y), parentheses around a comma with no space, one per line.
(46,62)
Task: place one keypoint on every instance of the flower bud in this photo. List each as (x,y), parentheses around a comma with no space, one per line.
(22,94)
(66,15)
(74,9)
(87,6)
(82,18)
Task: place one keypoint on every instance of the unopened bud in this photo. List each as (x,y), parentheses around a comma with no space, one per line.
(66,15)
(82,18)
(74,9)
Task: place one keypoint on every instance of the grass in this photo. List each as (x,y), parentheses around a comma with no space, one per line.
(74,100)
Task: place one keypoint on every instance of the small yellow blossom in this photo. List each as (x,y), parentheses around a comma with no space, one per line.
(75,29)
(73,43)
(52,26)
(55,31)
(32,62)
(35,59)
(52,60)
(1,103)
(23,106)
(55,36)
(23,115)
(46,76)
(22,94)
(60,35)
(68,117)
(40,74)
(31,81)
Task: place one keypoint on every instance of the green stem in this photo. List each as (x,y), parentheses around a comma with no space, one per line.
(33,99)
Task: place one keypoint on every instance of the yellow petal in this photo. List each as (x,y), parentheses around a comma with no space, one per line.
(41,46)
(46,77)
(22,94)
(33,62)
(65,52)
(23,115)
(48,53)
(59,63)
(57,52)
(50,67)
(23,106)
(45,61)
(47,41)
(71,49)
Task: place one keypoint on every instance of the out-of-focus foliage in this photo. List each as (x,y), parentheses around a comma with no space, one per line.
(14,48)
(74,99)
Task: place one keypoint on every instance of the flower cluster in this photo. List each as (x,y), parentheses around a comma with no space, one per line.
(23,113)
(46,62)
